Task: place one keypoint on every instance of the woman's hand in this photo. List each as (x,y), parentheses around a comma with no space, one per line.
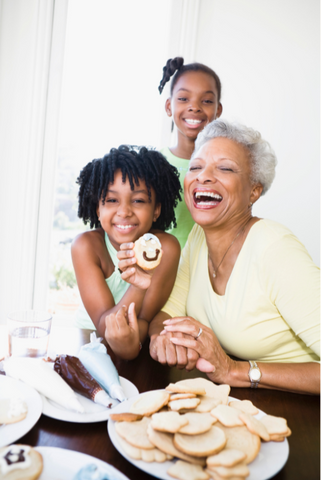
(131,272)
(212,358)
(163,351)
(122,332)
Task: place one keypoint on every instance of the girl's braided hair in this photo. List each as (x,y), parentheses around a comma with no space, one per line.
(135,163)
(177,65)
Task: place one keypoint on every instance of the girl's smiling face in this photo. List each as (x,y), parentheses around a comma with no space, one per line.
(194,103)
(218,186)
(127,214)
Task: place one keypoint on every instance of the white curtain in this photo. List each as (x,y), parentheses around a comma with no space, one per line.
(32,37)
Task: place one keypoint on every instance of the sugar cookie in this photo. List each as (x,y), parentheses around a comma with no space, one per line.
(150,402)
(20,462)
(197,423)
(125,417)
(184,404)
(255,426)
(201,386)
(135,433)
(164,441)
(185,471)
(207,403)
(148,251)
(239,471)
(240,438)
(226,458)
(201,445)
(12,410)
(275,425)
(168,421)
(180,396)
(245,406)
(181,387)
(154,455)
(228,416)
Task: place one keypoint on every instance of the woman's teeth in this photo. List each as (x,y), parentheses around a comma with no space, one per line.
(204,198)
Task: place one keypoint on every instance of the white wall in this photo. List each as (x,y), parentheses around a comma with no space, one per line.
(267,54)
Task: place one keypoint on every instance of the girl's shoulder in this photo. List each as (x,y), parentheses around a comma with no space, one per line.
(93,239)
(169,242)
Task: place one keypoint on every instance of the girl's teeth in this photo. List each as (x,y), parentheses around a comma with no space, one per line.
(192,121)
(124,227)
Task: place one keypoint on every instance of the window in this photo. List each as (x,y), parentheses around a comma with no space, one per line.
(114,56)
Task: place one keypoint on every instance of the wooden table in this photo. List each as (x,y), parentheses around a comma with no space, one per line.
(301,411)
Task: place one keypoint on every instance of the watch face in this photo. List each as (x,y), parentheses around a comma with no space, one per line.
(255,374)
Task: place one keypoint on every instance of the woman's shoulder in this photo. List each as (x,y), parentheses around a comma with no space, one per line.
(270,236)
(268,232)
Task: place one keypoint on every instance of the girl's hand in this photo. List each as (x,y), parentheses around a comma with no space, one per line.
(122,332)
(131,272)
(213,360)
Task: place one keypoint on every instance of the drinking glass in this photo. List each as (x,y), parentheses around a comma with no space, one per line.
(28,333)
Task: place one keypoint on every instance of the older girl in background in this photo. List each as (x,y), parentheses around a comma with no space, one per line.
(195,94)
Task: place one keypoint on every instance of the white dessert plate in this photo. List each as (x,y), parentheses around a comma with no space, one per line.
(93,411)
(12,388)
(271,458)
(62,464)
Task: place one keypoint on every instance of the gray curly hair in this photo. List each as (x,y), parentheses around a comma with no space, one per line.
(262,157)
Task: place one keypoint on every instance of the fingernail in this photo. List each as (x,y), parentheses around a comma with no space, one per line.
(162,332)
(166,322)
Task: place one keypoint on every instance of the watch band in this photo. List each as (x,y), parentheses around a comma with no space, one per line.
(254,374)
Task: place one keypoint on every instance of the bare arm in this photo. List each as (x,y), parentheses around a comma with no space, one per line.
(220,368)
(92,265)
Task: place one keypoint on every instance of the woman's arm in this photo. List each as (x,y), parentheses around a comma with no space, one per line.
(220,368)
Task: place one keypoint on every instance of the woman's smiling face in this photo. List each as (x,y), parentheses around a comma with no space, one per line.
(217,186)
(127,214)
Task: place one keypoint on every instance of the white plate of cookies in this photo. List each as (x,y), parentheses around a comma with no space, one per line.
(23,462)
(20,409)
(194,430)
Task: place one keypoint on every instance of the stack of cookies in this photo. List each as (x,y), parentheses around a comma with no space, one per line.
(194,422)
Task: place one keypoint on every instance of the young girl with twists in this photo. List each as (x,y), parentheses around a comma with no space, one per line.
(195,94)
(125,194)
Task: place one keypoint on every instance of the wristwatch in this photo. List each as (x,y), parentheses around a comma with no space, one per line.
(254,374)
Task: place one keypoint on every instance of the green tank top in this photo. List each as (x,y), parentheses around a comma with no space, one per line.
(184,219)
(116,284)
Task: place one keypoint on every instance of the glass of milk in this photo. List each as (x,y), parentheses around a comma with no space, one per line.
(28,333)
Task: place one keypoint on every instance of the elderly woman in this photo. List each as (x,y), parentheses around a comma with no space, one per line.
(245,306)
